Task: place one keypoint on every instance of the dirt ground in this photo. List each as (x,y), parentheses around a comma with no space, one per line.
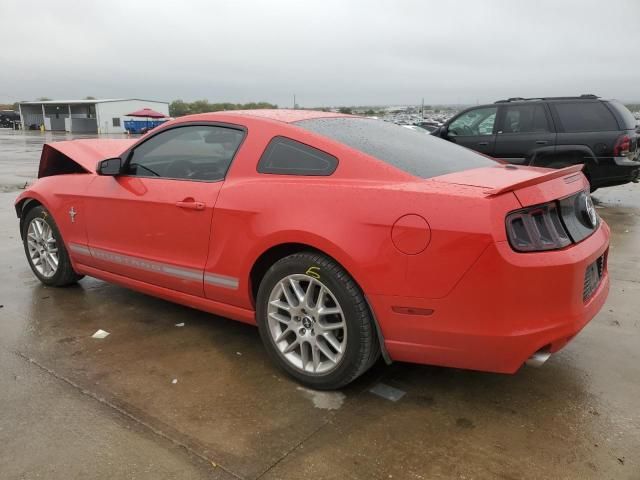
(153,400)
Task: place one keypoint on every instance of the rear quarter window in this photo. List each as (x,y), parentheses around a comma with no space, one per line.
(585,117)
(627,119)
(415,152)
(284,156)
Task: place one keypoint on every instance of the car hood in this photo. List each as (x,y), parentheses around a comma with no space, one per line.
(85,153)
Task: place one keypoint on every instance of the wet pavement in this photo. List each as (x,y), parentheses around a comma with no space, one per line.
(76,407)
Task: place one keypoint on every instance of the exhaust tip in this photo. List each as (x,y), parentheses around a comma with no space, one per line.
(538,358)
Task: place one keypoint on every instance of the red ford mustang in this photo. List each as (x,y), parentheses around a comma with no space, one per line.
(341,237)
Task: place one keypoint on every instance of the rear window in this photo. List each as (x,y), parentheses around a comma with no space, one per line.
(585,117)
(413,151)
(629,122)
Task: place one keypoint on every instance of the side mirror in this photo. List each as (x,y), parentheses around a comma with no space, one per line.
(443,132)
(110,167)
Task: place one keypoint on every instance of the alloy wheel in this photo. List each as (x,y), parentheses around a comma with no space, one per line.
(307,324)
(43,248)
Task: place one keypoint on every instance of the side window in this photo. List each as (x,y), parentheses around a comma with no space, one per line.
(525,119)
(475,122)
(585,117)
(284,156)
(199,152)
(485,127)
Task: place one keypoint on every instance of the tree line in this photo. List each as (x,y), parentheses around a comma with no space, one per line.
(178,108)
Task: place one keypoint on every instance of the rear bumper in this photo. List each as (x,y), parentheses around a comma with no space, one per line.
(508,306)
(628,169)
(627,162)
(615,171)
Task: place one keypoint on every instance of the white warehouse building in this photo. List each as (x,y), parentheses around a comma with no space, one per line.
(85,116)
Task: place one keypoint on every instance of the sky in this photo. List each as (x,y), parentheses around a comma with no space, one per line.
(327,52)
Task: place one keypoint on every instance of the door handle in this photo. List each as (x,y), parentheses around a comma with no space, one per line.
(483,144)
(542,142)
(190,204)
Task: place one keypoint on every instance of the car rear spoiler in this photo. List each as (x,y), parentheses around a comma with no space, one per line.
(561,172)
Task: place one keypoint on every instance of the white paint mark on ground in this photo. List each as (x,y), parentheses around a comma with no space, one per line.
(324,400)
(180,324)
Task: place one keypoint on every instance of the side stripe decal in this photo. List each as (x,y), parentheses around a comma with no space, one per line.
(221,280)
(74,247)
(151,266)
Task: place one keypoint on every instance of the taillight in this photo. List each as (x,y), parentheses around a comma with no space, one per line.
(537,228)
(622,146)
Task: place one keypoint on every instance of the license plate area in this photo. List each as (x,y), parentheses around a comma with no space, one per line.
(592,278)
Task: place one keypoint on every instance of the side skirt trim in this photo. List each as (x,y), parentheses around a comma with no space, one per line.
(157,267)
(217,308)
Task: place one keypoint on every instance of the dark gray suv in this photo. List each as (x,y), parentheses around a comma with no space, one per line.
(554,132)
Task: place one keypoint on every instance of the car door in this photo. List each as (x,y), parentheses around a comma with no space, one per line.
(152,222)
(474,129)
(524,131)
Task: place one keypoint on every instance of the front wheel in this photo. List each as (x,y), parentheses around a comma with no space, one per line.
(315,322)
(45,250)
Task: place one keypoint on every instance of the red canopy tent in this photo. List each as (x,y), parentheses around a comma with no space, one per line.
(146,113)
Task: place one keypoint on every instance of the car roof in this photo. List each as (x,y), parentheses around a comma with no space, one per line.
(529,101)
(581,98)
(280,115)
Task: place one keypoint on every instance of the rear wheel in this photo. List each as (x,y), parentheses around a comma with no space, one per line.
(315,322)
(45,250)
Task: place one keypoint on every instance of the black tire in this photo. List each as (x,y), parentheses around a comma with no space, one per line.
(591,187)
(64,274)
(558,165)
(362,347)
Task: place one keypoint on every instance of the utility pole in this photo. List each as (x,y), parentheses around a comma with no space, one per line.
(294,100)
(422,109)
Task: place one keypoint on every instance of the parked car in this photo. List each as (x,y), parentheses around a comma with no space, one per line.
(341,237)
(9,118)
(416,128)
(554,132)
(429,126)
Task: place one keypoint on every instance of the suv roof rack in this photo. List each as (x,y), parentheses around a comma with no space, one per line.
(585,96)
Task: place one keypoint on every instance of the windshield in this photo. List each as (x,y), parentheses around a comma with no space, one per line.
(412,151)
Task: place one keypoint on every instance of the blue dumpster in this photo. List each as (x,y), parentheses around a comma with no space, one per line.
(141,126)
